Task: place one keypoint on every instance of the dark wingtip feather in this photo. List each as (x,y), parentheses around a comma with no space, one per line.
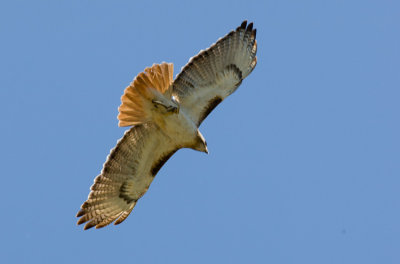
(81,221)
(89,225)
(254,33)
(118,222)
(243,25)
(250,27)
(80,213)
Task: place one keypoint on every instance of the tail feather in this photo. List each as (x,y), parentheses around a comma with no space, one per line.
(155,79)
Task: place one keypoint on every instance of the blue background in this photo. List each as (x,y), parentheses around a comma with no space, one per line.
(304,157)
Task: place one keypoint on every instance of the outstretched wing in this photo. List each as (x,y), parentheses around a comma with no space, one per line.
(126,176)
(216,72)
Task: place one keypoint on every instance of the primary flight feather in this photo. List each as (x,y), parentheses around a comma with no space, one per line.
(165,115)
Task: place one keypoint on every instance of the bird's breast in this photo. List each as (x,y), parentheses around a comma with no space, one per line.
(179,127)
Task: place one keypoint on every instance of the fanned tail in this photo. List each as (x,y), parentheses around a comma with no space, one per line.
(155,79)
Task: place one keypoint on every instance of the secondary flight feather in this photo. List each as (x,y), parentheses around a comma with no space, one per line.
(165,115)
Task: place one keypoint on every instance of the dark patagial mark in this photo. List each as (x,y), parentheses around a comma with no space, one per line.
(210,106)
(160,162)
(123,193)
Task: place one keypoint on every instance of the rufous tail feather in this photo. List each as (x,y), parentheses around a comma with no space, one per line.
(157,78)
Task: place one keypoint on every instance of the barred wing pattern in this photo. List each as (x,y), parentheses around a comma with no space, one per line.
(126,176)
(216,72)
(203,83)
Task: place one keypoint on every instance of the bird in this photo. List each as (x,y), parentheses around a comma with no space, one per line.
(165,115)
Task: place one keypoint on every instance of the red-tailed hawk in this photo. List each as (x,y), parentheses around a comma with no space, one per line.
(165,115)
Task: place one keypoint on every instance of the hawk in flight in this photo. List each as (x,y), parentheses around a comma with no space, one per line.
(165,115)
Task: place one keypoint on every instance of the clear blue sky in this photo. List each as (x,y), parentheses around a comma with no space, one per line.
(304,163)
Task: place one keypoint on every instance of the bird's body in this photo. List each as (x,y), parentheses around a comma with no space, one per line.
(179,128)
(165,115)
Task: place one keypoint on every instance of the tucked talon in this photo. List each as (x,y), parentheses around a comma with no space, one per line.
(173,109)
(168,108)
